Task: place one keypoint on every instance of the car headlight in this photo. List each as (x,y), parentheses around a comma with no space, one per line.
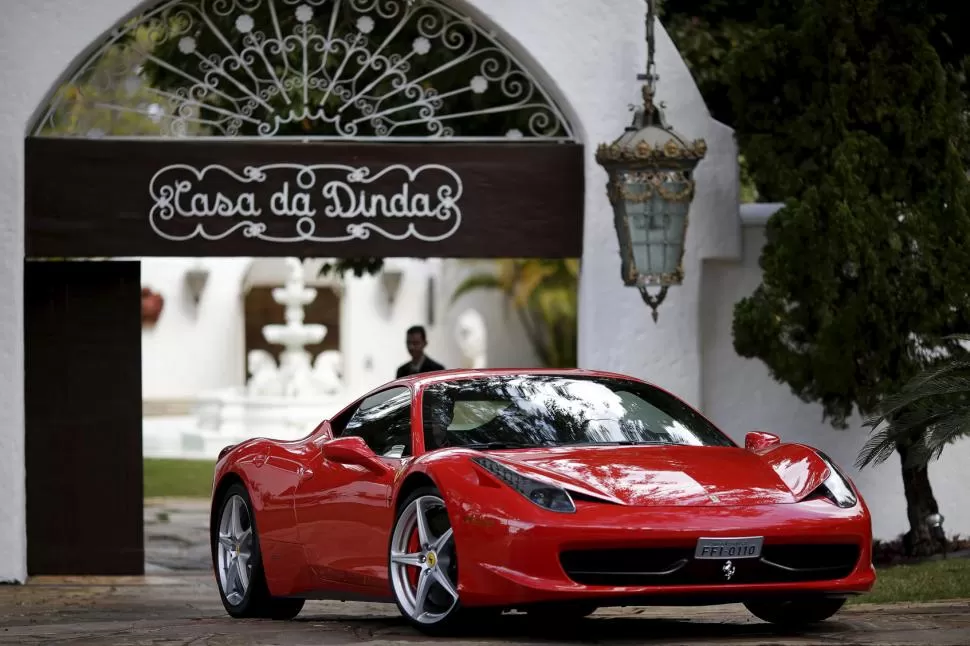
(836,487)
(544,495)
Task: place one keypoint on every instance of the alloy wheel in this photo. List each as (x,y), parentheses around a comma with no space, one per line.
(235,550)
(424,565)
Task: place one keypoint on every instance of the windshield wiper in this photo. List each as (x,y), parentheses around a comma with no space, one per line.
(494,446)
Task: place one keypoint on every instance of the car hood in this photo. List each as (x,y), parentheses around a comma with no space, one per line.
(651,476)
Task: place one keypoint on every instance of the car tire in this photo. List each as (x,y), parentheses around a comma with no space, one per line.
(237,562)
(795,612)
(440,612)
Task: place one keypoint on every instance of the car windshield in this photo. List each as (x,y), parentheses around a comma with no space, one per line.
(548,410)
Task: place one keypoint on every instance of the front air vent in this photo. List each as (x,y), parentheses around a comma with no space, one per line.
(663,566)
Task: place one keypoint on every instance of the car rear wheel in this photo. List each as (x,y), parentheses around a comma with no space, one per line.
(238,562)
(423,564)
(797,612)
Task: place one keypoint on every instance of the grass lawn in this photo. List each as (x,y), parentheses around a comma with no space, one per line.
(178,478)
(930,581)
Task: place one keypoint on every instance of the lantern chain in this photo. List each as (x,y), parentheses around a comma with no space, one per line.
(650,77)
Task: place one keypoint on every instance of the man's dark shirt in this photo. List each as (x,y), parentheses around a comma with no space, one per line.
(427,365)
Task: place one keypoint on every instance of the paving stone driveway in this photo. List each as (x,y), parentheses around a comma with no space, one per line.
(180,605)
(185,609)
(176,535)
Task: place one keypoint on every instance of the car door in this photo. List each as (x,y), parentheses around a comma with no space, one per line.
(344,511)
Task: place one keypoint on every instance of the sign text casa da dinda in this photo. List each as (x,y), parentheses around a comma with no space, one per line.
(285,203)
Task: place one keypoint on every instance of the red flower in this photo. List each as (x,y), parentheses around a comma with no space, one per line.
(152,304)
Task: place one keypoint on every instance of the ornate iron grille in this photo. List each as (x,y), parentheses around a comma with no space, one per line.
(318,69)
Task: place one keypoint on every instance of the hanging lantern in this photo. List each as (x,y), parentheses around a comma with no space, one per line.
(651,187)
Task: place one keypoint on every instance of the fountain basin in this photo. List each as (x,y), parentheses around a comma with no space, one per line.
(234,416)
(293,336)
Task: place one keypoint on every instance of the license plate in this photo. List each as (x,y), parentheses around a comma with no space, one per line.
(729,548)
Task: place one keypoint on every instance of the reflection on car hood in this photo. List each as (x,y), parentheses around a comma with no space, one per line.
(657,475)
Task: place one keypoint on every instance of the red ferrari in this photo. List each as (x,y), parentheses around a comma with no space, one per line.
(464,493)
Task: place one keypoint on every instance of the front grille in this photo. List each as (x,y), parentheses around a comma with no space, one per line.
(676,566)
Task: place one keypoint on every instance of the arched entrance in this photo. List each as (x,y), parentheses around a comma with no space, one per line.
(310,128)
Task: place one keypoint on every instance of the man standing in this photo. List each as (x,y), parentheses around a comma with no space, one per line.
(417,341)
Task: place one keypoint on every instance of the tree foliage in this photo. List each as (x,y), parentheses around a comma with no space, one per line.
(712,35)
(706,33)
(78,104)
(545,297)
(854,113)
(848,110)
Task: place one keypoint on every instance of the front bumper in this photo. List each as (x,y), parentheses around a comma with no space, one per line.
(613,555)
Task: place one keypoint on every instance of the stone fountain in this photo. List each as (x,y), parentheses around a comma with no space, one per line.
(285,401)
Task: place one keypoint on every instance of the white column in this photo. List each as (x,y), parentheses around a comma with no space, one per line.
(38,41)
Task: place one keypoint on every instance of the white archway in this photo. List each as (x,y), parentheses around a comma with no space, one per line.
(584,57)
(377,70)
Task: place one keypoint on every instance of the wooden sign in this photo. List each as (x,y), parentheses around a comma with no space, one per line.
(93,198)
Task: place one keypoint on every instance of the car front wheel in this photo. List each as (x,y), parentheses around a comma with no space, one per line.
(423,563)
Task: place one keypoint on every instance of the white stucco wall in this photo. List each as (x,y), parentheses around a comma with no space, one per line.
(506,345)
(740,396)
(193,348)
(38,40)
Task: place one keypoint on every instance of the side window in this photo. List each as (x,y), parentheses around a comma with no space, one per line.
(384,422)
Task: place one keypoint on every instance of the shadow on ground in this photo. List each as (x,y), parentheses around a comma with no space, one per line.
(186,610)
(629,628)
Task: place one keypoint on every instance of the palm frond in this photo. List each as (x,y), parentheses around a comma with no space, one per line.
(940,384)
(951,428)
(926,443)
(530,278)
(476,282)
(932,374)
(882,444)
(572,266)
(544,295)
(929,413)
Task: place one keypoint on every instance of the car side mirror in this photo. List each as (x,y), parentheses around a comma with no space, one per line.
(324,431)
(353,450)
(759,441)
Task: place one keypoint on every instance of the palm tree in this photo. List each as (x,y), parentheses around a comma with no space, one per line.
(929,413)
(544,294)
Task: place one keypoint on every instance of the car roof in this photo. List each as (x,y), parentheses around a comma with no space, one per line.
(428,378)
